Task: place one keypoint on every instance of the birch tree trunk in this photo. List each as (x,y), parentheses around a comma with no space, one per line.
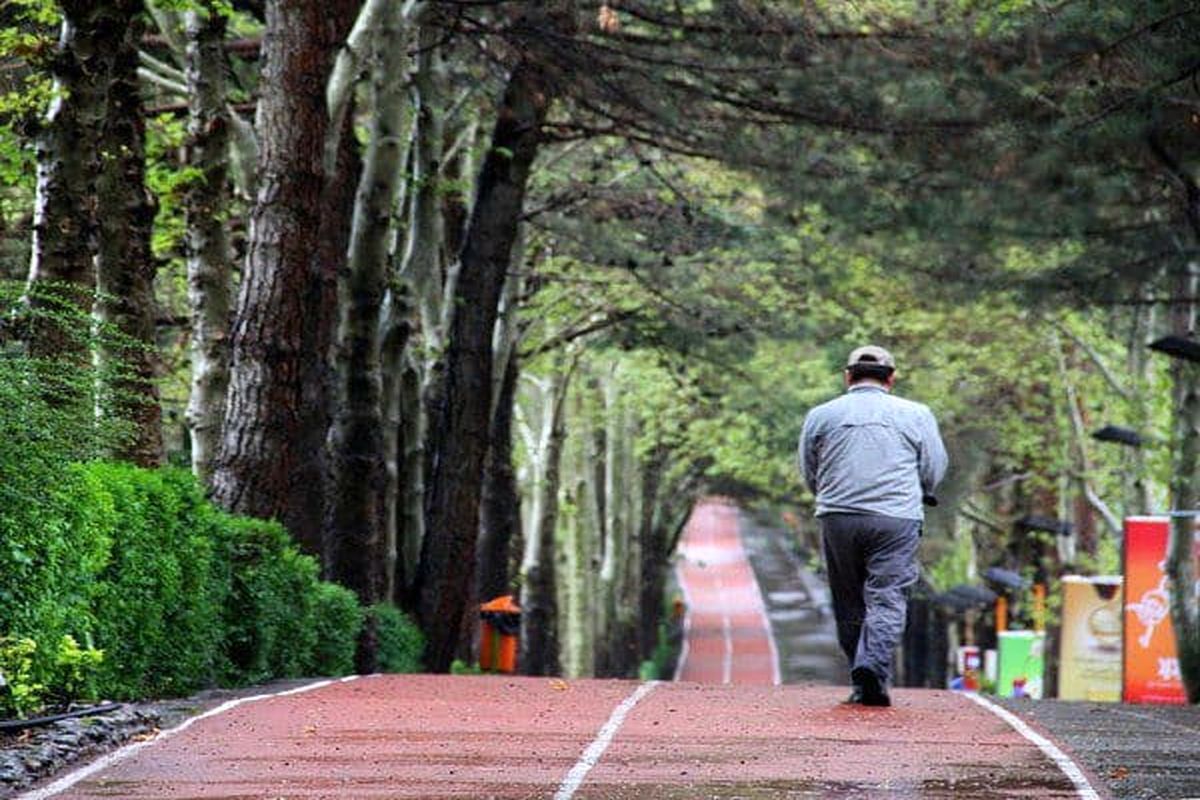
(539,602)
(417,298)
(461,415)
(357,505)
(125,266)
(581,536)
(209,271)
(265,464)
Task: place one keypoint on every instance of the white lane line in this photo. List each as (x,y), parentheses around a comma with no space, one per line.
(777,677)
(591,756)
(117,756)
(763,615)
(726,631)
(1069,768)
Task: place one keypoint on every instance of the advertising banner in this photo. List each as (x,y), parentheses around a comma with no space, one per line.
(1022,664)
(1151,665)
(1090,641)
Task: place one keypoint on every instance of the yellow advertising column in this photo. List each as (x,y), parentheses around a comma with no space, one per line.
(1090,642)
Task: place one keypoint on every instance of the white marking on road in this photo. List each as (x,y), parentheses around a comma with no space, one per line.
(764,616)
(117,756)
(591,756)
(1052,751)
(726,633)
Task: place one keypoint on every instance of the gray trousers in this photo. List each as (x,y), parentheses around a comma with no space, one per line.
(871,562)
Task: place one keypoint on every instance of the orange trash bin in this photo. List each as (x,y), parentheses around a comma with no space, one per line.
(499,633)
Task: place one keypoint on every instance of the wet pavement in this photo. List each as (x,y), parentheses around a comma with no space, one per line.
(726,634)
(797,604)
(1138,752)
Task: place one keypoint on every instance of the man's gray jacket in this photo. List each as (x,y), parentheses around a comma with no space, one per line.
(869,452)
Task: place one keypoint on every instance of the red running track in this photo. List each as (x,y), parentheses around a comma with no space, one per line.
(436,736)
(727,635)
(427,736)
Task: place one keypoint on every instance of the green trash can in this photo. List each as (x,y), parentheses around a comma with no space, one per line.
(1022,664)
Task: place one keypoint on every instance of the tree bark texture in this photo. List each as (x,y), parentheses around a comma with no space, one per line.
(357,509)
(266,462)
(209,269)
(396,328)
(580,535)
(500,508)
(539,601)
(410,503)
(424,256)
(461,415)
(125,265)
(64,222)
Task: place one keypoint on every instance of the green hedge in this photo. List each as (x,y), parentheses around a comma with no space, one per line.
(400,640)
(176,594)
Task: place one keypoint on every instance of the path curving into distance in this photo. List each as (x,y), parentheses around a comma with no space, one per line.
(724,731)
(727,636)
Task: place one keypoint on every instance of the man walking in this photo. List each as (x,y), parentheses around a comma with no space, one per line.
(871,459)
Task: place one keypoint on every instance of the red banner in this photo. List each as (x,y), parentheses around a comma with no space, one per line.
(1151,663)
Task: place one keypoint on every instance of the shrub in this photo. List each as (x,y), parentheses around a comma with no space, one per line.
(156,604)
(50,550)
(337,620)
(270,609)
(400,640)
(20,692)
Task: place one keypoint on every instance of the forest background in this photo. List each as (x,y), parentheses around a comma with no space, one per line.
(475,297)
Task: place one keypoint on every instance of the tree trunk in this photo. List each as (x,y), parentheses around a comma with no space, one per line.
(419,297)
(580,542)
(1181,554)
(125,266)
(1185,497)
(654,560)
(410,503)
(357,505)
(264,468)
(462,412)
(209,270)
(500,508)
(62,267)
(1137,493)
(539,602)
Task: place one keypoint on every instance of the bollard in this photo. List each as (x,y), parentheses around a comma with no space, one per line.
(499,633)
(1039,607)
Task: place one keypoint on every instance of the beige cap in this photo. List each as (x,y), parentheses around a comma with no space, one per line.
(873,355)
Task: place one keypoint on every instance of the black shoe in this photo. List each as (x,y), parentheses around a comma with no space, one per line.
(874,691)
(855,697)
